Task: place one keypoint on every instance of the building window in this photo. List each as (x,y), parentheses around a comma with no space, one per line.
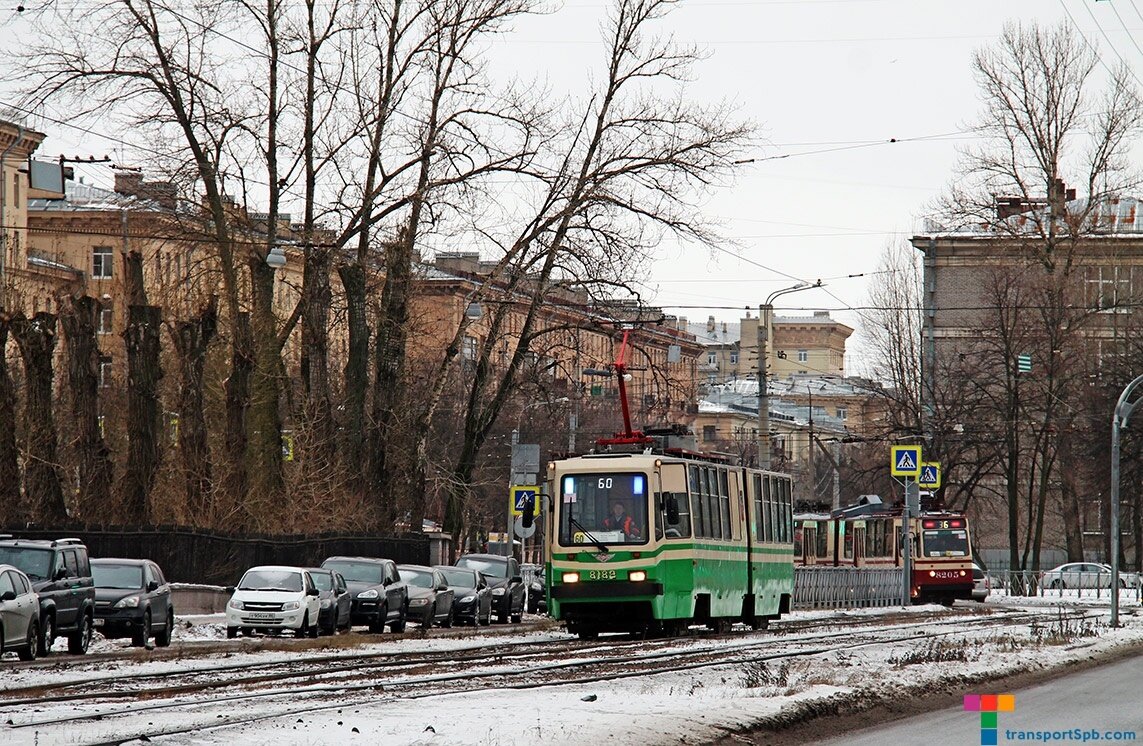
(1109,287)
(101,262)
(711,358)
(842,413)
(470,348)
(803,356)
(734,358)
(709,432)
(106,318)
(104,371)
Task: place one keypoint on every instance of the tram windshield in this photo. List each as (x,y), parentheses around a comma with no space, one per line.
(603,508)
(944,543)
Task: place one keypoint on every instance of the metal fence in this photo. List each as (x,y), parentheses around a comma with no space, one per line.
(191,556)
(847,587)
(1063,586)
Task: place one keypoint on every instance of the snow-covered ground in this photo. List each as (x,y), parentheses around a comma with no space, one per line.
(684,707)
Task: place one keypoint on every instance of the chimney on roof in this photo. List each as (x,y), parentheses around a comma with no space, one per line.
(163,192)
(467,262)
(710,324)
(724,328)
(128,182)
(821,314)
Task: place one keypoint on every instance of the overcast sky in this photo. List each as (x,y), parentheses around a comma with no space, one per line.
(829,82)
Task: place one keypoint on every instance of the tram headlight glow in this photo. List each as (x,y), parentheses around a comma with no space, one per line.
(637,576)
(571,577)
(932,573)
(963,573)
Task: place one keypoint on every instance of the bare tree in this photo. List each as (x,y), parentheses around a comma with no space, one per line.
(625,174)
(79,317)
(36,338)
(9,455)
(1044,128)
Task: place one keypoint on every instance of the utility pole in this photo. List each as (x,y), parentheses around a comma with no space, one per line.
(764,312)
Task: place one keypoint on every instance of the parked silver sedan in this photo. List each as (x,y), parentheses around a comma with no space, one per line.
(1087,575)
(19,614)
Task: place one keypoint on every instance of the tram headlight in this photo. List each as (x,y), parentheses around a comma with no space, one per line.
(637,576)
(571,577)
(932,573)
(962,573)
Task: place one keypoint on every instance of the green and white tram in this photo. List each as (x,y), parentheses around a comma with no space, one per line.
(647,542)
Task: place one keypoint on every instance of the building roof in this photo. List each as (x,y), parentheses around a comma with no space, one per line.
(741,397)
(79,196)
(1116,216)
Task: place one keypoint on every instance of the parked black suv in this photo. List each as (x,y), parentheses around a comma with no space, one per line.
(61,577)
(133,599)
(380,597)
(503,574)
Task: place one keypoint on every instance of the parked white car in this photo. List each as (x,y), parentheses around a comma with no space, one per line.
(1086,575)
(19,614)
(273,598)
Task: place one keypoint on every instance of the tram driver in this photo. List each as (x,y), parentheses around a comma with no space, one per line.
(621,520)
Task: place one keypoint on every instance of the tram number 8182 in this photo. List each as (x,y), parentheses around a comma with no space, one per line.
(601,575)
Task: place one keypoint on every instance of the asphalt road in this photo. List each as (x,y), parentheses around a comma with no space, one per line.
(1087,707)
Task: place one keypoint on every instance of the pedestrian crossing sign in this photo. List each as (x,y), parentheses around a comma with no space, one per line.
(930,475)
(906,461)
(522,498)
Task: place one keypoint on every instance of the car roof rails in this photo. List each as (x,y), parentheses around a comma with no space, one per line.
(67,542)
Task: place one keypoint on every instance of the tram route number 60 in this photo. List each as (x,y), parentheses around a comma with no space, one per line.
(604,483)
(601,575)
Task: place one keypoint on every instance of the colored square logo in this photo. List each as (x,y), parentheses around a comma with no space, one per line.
(989,706)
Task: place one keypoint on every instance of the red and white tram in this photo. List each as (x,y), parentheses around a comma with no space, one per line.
(869,535)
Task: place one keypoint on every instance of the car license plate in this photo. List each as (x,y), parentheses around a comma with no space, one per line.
(260,615)
(99,622)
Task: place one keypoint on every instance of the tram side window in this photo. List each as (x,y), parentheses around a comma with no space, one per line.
(767,523)
(822,536)
(682,529)
(696,501)
(778,509)
(715,509)
(875,538)
(704,501)
(756,480)
(786,512)
(847,551)
(724,502)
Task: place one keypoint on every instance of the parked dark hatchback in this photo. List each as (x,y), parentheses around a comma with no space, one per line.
(61,577)
(430,598)
(472,598)
(132,599)
(380,597)
(335,599)
(503,574)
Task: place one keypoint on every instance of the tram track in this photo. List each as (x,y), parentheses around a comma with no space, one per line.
(575,663)
(304,664)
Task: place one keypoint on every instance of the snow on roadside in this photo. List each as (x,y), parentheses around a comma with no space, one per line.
(699,706)
(692,707)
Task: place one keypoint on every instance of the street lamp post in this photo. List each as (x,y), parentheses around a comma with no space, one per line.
(764,312)
(1123,410)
